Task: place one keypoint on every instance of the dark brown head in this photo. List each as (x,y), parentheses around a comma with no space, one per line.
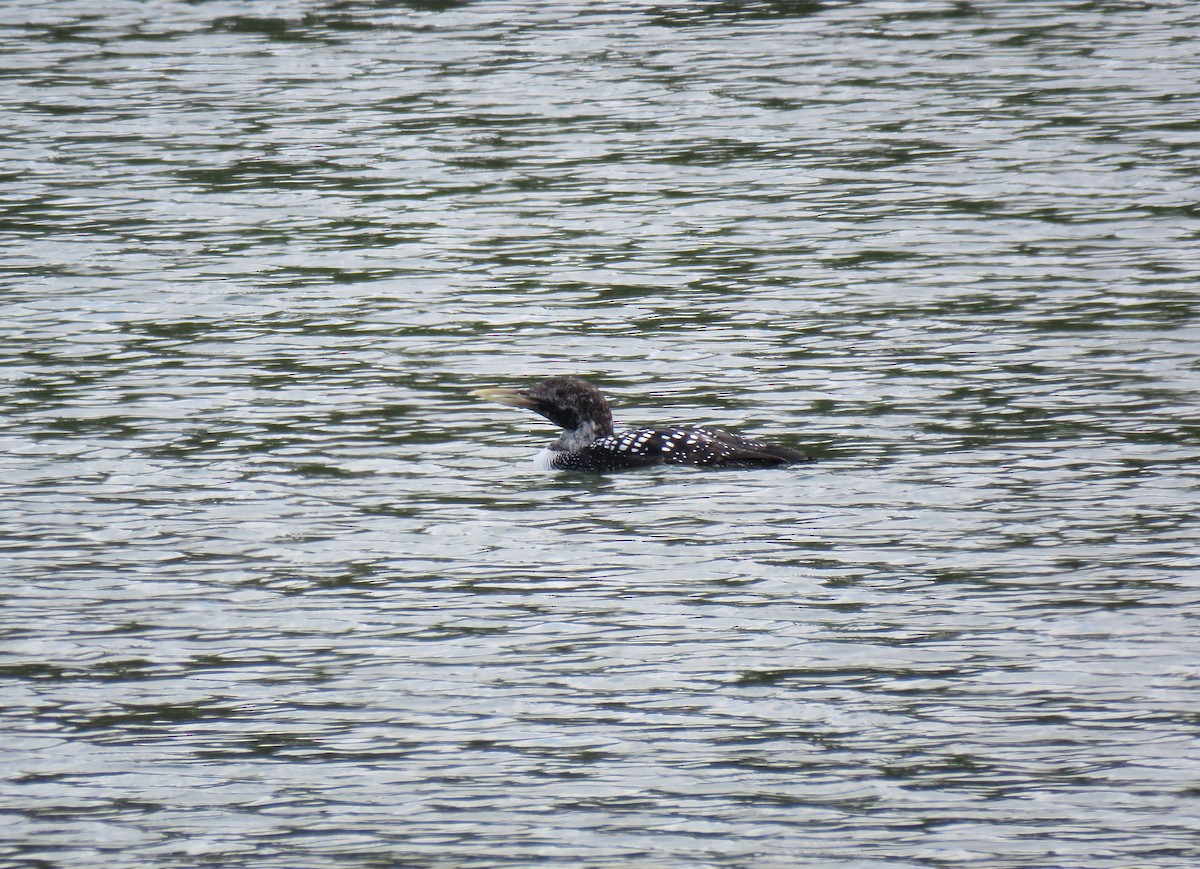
(569,402)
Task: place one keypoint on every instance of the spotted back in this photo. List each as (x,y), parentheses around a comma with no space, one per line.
(680,445)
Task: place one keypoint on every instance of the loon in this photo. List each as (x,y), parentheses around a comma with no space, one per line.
(589,444)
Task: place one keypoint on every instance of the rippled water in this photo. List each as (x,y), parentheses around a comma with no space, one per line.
(278,593)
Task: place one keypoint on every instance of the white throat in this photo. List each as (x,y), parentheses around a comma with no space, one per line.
(576,438)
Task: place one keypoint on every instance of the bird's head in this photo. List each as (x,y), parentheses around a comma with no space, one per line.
(568,402)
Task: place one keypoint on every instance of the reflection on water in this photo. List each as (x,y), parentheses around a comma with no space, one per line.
(279,592)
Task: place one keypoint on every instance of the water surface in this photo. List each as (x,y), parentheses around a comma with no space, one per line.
(279,593)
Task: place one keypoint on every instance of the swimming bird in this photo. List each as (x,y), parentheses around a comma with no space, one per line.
(589,444)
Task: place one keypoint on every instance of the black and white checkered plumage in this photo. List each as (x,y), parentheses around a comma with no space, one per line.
(589,444)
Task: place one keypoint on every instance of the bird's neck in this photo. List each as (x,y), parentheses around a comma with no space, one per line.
(580,436)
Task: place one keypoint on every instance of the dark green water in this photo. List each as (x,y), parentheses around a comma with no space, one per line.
(276,592)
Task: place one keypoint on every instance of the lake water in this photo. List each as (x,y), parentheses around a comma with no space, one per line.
(278,592)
